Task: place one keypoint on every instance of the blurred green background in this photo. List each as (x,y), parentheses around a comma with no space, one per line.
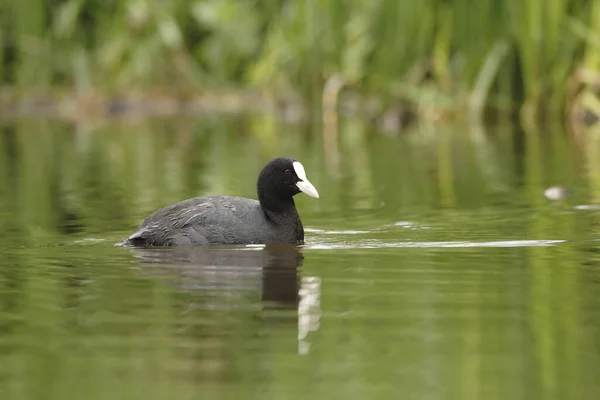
(430,58)
(431,129)
(445,273)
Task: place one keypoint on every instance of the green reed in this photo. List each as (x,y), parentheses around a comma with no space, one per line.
(474,54)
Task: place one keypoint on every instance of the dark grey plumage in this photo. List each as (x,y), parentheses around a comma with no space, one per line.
(234,220)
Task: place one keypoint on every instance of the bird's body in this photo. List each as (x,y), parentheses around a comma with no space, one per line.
(216,219)
(233,220)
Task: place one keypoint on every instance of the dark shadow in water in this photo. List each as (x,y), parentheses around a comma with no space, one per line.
(228,277)
(241,278)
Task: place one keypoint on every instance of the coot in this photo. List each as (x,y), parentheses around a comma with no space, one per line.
(234,220)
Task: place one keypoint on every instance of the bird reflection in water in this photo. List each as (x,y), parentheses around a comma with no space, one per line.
(253,277)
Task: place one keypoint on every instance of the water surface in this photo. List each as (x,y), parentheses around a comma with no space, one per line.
(434,267)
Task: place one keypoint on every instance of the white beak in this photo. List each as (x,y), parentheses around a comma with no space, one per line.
(303,184)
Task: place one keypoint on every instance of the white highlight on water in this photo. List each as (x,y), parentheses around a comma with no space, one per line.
(309,311)
(384,245)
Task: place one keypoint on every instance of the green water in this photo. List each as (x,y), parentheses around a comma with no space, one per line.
(434,266)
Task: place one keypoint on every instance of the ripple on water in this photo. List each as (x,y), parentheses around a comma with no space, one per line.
(398,224)
(372,244)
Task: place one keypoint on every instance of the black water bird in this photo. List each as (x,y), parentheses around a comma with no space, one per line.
(234,220)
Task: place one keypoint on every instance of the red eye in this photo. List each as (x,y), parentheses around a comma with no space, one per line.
(287,171)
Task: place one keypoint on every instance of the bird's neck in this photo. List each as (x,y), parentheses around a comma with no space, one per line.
(287,221)
(277,205)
